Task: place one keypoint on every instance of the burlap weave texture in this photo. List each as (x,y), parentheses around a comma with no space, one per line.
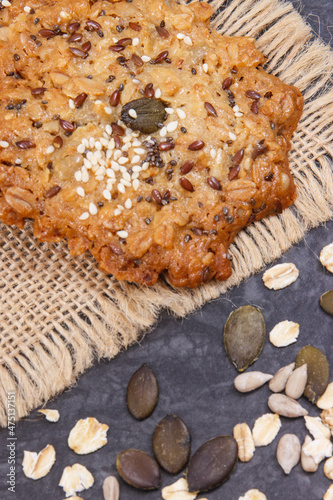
(59,313)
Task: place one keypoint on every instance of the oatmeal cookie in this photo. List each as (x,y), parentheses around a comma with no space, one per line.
(138,133)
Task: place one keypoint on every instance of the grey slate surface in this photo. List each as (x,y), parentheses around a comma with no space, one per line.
(195,379)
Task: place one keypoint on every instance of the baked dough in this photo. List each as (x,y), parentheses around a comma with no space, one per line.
(172,199)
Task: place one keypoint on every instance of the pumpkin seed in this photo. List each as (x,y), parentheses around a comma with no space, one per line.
(212,463)
(326,302)
(138,469)
(285,406)
(279,381)
(142,393)
(172,444)
(288,452)
(244,336)
(318,371)
(150,113)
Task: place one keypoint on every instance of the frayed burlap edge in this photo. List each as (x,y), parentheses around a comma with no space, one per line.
(58,314)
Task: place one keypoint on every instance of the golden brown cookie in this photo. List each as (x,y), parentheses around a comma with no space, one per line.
(136,132)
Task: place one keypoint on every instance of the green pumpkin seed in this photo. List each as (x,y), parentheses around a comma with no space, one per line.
(244,336)
(212,463)
(172,444)
(142,393)
(138,469)
(318,371)
(147,115)
(326,302)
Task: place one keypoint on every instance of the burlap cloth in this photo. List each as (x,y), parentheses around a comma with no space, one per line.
(59,314)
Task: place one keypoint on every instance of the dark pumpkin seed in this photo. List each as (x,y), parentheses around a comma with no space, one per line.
(115,98)
(163,55)
(117,130)
(92,25)
(142,393)
(244,336)
(172,444)
(227,83)
(117,48)
(86,47)
(238,157)
(72,27)
(150,113)
(233,173)
(125,41)
(162,32)
(166,146)
(252,94)
(78,52)
(76,37)
(137,60)
(80,99)
(45,33)
(318,371)
(212,463)
(255,107)
(138,469)
(67,126)
(25,144)
(326,302)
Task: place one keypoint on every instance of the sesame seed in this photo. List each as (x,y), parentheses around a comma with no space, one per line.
(163,132)
(120,207)
(127,139)
(4,144)
(136,184)
(122,169)
(125,183)
(100,171)
(104,142)
(128,203)
(50,150)
(135,41)
(71,104)
(110,173)
(188,40)
(111,144)
(136,81)
(84,216)
(145,58)
(181,113)
(236,108)
(145,165)
(171,127)
(80,191)
(238,114)
(139,151)
(18,161)
(180,36)
(91,142)
(27,9)
(136,168)
(99,177)
(170,111)
(135,175)
(158,93)
(117,211)
(108,110)
(80,149)
(87,163)
(122,160)
(92,208)
(135,159)
(126,176)
(128,131)
(132,113)
(232,136)
(126,147)
(117,154)
(115,166)
(205,67)
(121,188)
(98,145)
(108,129)
(136,143)
(122,234)
(98,101)
(107,194)
(78,176)
(85,142)
(85,176)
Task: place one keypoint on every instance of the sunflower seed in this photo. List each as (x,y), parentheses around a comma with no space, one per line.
(307,461)
(296,382)
(246,382)
(111,488)
(288,452)
(279,381)
(286,407)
